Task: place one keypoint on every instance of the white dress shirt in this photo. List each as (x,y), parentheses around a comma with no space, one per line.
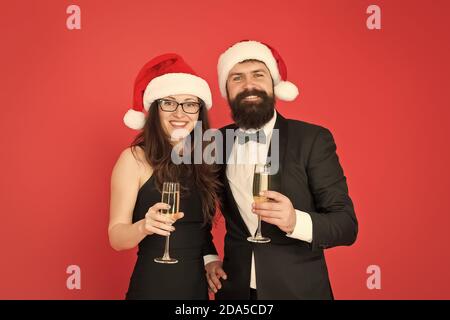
(240,169)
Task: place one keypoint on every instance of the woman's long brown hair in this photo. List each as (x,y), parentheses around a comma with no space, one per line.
(158,149)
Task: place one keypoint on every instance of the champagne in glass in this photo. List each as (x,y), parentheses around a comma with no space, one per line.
(261,182)
(171,196)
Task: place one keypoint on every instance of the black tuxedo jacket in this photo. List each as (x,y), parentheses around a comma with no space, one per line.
(312,178)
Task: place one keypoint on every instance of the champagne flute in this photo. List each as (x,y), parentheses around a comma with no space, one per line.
(171,196)
(261,182)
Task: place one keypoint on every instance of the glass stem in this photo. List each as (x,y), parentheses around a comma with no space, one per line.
(166,249)
(258,231)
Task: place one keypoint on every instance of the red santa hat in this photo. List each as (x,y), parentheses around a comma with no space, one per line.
(254,50)
(165,75)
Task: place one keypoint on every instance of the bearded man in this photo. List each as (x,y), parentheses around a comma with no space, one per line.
(309,209)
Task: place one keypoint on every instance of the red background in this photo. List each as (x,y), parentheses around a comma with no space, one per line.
(383,94)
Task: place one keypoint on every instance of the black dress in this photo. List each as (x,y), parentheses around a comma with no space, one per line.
(188,244)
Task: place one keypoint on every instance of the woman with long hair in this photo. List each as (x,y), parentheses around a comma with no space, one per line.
(176,101)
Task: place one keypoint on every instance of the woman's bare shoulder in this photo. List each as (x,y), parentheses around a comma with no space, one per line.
(133,157)
(126,163)
(132,167)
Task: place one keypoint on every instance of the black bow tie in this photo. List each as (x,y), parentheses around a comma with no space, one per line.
(258,136)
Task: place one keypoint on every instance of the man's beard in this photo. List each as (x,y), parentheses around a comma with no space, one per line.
(252,115)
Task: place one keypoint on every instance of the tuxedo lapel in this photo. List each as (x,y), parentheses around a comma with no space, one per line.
(280,130)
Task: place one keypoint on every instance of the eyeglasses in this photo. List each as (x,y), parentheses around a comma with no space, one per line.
(172,106)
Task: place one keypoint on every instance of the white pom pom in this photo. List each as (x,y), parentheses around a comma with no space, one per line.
(286,91)
(134,119)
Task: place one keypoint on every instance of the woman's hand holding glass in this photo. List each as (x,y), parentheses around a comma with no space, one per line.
(157,223)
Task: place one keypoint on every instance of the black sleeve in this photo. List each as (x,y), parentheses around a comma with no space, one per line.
(208,244)
(334,223)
